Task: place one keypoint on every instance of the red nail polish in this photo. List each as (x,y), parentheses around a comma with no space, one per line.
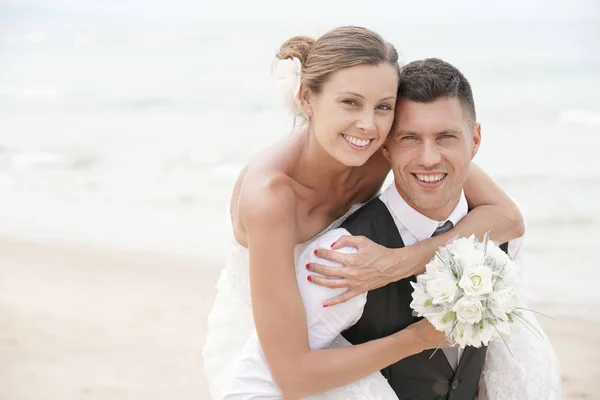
(315,252)
(309,278)
(333,244)
(308,266)
(325,305)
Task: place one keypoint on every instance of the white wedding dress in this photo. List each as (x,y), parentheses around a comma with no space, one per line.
(532,374)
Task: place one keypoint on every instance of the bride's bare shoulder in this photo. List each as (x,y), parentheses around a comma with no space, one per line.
(264,190)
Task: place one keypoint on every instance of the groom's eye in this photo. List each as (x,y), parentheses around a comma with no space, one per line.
(447,136)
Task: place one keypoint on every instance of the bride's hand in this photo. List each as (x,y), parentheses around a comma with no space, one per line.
(371,267)
(427,337)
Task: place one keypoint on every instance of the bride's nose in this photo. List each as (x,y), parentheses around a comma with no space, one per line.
(366,121)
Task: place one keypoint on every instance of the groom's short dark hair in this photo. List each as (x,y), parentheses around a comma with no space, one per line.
(426,81)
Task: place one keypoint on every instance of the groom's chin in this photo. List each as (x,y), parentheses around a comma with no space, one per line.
(430,201)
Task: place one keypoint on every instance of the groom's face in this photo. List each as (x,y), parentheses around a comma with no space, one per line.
(430,147)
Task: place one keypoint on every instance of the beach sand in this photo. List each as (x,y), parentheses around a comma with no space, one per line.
(79,322)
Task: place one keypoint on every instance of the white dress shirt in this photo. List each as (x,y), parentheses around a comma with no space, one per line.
(250,372)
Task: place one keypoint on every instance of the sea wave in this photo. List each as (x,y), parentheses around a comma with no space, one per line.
(36,160)
(30,98)
(581,117)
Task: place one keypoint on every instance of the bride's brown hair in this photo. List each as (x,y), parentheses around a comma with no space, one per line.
(339,48)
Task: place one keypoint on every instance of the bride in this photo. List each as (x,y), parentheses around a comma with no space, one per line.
(304,186)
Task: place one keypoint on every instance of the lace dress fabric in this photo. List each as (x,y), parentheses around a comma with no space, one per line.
(525,368)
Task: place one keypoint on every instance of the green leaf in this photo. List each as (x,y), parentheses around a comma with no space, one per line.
(437,254)
(486,239)
(447,338)
(500,275)
(451,316)
(535,312)
(429,303)
(529,326)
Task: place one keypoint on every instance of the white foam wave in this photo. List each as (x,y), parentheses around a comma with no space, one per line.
(38,159)
(578,116)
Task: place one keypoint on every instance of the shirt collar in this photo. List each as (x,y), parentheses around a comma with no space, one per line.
(420,226)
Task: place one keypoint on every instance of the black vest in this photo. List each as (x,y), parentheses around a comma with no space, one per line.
(388,311)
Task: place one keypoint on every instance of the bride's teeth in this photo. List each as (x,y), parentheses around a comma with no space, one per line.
(356,141)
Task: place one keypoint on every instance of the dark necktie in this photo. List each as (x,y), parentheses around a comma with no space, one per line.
(450,352)
(444,228)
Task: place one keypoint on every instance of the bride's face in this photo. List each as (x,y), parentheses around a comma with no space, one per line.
(352,115)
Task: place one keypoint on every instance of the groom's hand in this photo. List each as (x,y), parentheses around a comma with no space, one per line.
(369,268)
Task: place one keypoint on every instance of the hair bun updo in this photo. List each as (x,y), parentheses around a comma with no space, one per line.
(296,47)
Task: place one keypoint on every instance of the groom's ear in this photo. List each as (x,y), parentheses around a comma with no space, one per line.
(476,137)
(386,151)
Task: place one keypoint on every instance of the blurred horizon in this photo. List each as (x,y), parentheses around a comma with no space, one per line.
(125,123)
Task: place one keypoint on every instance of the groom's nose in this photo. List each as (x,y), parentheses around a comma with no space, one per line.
(429,154)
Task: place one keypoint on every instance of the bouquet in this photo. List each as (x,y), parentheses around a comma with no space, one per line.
(470,292)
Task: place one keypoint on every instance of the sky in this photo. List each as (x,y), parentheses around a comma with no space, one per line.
(333,11)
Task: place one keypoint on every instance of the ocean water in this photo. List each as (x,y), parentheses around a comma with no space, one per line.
(127,125)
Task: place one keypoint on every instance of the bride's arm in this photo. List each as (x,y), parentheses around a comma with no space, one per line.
(375,266)
(269,218)
(490,210)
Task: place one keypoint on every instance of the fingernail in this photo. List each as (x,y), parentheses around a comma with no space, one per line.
(308,266)
(309,278)
(333,244)
(315,252)
(325,305)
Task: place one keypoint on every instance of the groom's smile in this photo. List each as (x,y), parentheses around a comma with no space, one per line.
(430,181)
(430,148)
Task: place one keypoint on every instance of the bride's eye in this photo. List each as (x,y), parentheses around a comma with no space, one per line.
(385,107)
(350,102)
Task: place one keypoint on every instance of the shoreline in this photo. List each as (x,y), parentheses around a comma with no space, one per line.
(78,321)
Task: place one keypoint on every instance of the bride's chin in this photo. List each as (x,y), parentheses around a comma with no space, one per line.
(350,161)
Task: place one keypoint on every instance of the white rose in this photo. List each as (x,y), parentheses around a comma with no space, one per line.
(477,281)
(466,252)
(435,266)
(511,274)
(468,310)
(502,302)
(462,244)
(287,75)
(496,254)
(442,289)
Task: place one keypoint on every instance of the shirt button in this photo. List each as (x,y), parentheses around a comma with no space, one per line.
(455,384)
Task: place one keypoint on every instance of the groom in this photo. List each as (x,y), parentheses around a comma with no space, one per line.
(430,147)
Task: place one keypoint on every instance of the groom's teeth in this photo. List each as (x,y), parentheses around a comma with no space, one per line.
(430,178)
(356,141)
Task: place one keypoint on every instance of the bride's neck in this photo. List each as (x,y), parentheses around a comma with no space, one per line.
(316,168)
